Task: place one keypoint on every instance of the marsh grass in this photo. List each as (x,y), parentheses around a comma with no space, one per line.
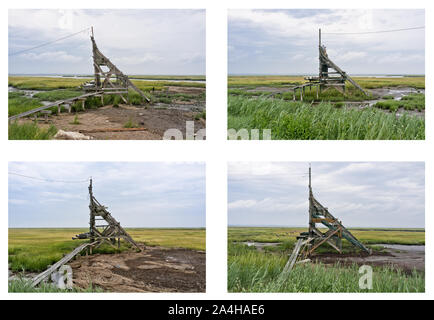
(55,95)
(366,236)
(414,101)
(302,121)
(34,249)
(252,271)
(365,82)
(25,286)
(18,103)
(310,95)
(45,83)
(30,131)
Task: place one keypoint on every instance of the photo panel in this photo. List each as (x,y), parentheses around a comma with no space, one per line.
(106,227)
(330,227)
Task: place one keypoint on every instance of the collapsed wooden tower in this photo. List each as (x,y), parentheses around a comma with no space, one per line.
(110,233)
(334,78)
(101,85)
(103,78)
(308,242)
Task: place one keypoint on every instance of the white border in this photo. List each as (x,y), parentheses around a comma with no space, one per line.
(216,151)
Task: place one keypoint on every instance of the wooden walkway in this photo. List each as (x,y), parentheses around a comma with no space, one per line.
(66,103)
(40,277)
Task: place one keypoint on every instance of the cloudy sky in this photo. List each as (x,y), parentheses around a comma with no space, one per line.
(138,194)
(286,41)
(137,41)
(373,194)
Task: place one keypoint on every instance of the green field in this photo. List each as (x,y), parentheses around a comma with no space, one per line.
(265,102)
(55,89)
(32,250)
(366,82)
(48,83)
(252,270)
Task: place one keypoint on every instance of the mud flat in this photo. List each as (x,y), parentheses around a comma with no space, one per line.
(406,258)
(156,269)
(153,121)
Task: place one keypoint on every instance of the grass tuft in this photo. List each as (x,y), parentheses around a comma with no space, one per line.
(30,131)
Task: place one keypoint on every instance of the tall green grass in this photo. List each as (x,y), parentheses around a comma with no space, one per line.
(18,103)
(25,286)
(30,131)
(300,121)
(253,271)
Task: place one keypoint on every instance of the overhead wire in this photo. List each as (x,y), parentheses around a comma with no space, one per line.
(47,180)
(372,32)
(48,43)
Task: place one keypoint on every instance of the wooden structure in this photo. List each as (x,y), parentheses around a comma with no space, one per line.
(104,70)
(308,242)
(101,85)
(111,232)
(334,78)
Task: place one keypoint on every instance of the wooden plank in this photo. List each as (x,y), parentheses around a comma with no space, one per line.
(291,261)
(43,275)
(112,130)
(60,102)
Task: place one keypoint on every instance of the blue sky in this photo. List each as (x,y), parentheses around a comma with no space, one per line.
(286,41)
(372,194)
(137,41)
(138,194)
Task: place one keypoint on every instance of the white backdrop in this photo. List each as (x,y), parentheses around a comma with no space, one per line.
(216,151)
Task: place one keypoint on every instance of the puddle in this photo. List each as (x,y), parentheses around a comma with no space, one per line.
(27,93)
(259,244)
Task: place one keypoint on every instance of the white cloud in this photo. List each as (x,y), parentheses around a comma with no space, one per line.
(360,194)
(54,56)
(130,38)
(293,34)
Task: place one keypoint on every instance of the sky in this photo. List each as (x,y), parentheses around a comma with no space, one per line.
(137,194)
(370,194)
(137,41)
(286,41)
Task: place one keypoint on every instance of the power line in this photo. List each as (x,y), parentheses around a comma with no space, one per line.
(47,43)
(47,180)
(371,32)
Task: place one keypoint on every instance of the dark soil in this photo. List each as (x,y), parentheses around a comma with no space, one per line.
(155,269)
(407,261)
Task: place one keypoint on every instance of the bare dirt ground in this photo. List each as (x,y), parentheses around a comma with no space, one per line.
(404,260)
(154,121)
(156,269)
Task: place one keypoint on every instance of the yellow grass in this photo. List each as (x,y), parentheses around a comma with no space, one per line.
(35,249)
